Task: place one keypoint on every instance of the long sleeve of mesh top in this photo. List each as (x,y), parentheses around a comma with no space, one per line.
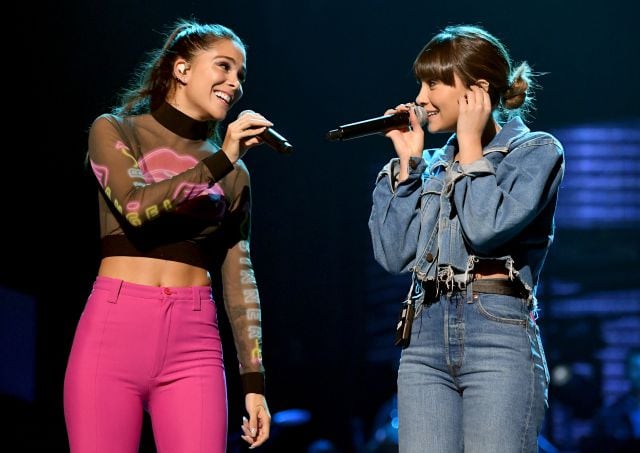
(116,164)
(241,298)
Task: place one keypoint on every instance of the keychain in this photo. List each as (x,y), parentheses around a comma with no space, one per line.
(407,313)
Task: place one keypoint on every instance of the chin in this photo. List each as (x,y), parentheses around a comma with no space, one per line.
(434,129)
(218,116)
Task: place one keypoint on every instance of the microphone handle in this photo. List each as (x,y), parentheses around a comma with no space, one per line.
(276,141)
(381,124)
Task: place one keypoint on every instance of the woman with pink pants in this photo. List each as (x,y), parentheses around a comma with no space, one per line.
(174,209)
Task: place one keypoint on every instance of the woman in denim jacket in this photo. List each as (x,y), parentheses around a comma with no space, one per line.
(472,222)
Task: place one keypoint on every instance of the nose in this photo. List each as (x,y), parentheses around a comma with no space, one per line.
(236,85)
(237,90)
(422,99)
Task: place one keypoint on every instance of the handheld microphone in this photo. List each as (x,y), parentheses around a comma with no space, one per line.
(272,138)
(381,124)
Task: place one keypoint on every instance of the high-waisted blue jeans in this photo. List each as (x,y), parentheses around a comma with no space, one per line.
(474,378)
(146,348)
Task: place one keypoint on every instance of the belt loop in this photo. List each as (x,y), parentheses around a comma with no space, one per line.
(197,302)
(115,292)
(470,292)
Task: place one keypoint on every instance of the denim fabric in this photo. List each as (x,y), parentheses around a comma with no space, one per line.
(446,216)
(473,379)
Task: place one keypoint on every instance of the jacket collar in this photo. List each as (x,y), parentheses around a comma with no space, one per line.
(511,130)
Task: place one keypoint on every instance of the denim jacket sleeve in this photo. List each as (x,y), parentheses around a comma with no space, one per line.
(394,223)
(495,201)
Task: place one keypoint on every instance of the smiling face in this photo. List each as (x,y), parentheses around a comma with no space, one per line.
(211,82)
(441,103)
(457,58)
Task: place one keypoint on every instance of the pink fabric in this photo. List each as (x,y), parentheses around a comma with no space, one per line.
(146,348)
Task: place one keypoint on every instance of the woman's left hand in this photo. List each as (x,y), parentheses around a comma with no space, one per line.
(256,428)
(474,113)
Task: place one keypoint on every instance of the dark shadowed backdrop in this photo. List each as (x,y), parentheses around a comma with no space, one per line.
(328,309)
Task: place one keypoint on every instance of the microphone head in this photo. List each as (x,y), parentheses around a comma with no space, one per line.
(421,114)
(244,112)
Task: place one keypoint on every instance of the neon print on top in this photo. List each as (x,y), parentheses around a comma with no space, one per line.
(178,198)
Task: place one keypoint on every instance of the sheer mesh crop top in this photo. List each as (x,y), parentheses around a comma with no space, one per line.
(166,192)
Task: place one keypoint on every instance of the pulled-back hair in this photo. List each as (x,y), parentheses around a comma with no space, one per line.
(473,54)
(154,79)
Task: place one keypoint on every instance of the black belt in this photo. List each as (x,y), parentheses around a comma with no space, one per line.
(498,286)
(433,290)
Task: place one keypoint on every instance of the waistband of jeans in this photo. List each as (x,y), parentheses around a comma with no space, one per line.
(124,288)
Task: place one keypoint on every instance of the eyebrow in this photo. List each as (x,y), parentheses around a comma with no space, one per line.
(243,68)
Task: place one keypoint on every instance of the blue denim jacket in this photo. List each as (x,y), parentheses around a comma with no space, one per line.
(448,216)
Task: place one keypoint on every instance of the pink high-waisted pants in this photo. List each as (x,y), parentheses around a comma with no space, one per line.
(148,348)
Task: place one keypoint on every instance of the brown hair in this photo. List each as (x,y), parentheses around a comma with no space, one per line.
(154,79)
(473,53)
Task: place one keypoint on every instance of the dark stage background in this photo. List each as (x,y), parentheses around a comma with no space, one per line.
(328,309)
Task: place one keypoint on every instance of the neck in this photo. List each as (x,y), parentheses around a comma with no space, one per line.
(180,123)
(489,132)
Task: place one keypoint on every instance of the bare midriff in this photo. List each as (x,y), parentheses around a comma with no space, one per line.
(153,271)
(480,276)
(494,270)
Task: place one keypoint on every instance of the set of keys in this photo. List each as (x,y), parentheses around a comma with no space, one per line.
(408,312)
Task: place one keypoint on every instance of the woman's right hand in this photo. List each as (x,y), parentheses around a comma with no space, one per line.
(408,142)
(242,134)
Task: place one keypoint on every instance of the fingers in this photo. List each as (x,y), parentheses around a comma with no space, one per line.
(243,133)
(247,435)
(474,113)
(249,123)
(255,430)
(414,121)
(407,107)
(475,98)
(254,436)
(407,140)
(478,95)
(263,426)
(399,108)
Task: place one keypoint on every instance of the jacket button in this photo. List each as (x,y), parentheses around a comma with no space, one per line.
(429,257)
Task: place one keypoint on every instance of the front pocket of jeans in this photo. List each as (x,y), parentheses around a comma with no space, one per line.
(499,308)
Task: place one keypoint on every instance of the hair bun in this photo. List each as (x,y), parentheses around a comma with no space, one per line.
(515,96)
